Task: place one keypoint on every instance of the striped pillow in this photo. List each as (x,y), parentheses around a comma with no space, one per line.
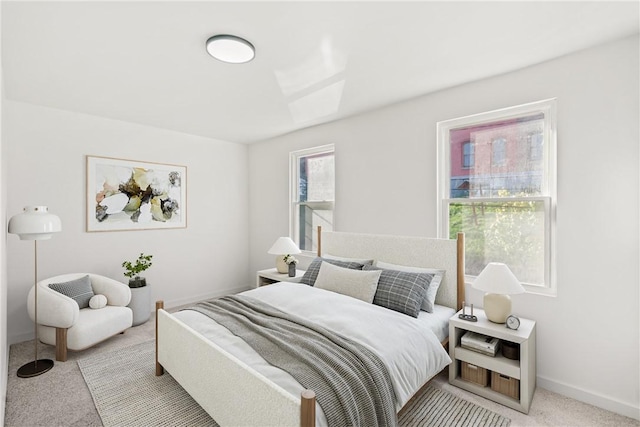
(401,291)
(309,277)
(79,290)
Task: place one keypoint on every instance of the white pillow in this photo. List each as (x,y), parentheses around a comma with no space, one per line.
(354,283)
(345,259)
(98,301)
(432,290)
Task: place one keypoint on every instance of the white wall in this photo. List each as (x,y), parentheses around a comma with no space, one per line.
(45,153)
(4,348)
(588,336)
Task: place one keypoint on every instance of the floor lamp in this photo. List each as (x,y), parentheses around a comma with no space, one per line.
(35,223)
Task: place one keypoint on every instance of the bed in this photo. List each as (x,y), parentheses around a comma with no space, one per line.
(202,355)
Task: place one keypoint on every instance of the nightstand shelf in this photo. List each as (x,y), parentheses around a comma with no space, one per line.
(522,370)
(271,275)
(499,363)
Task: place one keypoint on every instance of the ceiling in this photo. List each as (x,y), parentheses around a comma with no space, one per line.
(145,62)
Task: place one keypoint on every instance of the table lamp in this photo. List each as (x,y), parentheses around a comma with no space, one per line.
(498,282)
(282,247)
(35,223)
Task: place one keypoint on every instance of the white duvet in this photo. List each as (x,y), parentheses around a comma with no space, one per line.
(411,353)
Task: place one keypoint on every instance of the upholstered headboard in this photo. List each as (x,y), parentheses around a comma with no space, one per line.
(426,252)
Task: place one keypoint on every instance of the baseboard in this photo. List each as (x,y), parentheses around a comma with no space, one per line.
(587,396)
(15,339)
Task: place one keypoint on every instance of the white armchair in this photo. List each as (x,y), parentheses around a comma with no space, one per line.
(63,324)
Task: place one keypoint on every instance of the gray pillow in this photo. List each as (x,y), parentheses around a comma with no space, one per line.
(79,290)
(309,277)
(401,291)
(345,259)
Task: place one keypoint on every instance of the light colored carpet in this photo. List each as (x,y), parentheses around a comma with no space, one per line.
(126,392)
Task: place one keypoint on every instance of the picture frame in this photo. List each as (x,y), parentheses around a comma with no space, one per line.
(124,195)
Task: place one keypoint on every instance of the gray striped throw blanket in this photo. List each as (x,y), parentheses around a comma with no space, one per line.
(351,383)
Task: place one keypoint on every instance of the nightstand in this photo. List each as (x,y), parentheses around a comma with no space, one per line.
(514,381)
(271,275)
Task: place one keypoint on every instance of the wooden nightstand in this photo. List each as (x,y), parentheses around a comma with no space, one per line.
(271,275)
(521,374)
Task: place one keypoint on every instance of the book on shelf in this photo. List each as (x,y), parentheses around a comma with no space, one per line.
(480,343)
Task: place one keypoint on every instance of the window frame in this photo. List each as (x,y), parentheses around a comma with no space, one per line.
(294,176)
(549,184)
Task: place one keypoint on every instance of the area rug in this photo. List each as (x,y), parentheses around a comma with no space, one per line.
(126,392)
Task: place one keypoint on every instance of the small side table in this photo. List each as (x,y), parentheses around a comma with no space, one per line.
(271,275)
(522,370)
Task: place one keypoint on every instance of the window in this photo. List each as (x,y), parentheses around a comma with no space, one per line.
(535,142)
(312,194)
(467,155)
(499,151)
(505,202)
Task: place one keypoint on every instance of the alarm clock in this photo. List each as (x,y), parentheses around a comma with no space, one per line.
(513,322)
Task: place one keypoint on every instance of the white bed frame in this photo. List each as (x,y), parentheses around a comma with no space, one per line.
(232,392)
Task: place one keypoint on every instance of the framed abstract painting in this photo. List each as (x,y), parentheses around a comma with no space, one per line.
(134,195)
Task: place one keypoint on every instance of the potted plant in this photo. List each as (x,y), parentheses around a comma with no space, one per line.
(140,303)
(291,262)
(133,270)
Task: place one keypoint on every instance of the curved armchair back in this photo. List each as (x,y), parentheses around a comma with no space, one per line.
(60,311)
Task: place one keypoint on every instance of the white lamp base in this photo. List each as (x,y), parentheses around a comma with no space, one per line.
(497,307)
(281,266)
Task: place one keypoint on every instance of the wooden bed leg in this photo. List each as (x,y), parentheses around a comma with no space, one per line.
(61,344)
(460,279)
(159,368)
(319,241)
(307,409)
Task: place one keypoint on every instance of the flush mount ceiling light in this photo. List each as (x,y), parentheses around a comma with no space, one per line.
(231,49)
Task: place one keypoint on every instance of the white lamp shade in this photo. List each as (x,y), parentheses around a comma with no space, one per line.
(284,246)
(35,223)
(497,278)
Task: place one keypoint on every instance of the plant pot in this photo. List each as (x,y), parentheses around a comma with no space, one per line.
(137,282)
(292,269)
(140,304)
